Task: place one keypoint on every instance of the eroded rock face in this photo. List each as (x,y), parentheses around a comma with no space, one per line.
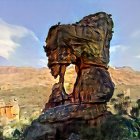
(86,45)
(60,122)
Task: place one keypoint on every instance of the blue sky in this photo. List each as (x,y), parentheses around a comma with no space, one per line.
(24,25)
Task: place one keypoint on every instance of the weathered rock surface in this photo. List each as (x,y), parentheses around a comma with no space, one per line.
(65,122)
(86,45)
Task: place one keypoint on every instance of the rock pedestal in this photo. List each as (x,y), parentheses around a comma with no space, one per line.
(59,123)
(86,45)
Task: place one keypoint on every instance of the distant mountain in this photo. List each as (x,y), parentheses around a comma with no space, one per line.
(3,61)
(33,86)
(125,76)
(19,77)
(127,68)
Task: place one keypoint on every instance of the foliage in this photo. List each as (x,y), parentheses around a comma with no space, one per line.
(121,104)
(115,128)
(125,125)
(17,127)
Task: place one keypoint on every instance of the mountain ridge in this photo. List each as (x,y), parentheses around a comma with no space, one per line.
(17,77)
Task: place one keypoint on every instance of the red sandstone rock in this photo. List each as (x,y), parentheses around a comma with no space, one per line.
(86,45)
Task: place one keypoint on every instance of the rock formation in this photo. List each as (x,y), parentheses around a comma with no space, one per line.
(86,45)
(9,112)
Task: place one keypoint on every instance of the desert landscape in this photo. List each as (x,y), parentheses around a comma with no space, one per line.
(32,86)
(69,73)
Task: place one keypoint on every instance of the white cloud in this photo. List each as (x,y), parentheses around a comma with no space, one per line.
(137,56)
(19,45)
(123,55)
(43,62)
(115,48)
(9,36)
(136,34)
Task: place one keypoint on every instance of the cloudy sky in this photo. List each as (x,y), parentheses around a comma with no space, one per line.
(24,25)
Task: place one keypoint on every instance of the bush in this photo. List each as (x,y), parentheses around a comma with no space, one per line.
(115,128)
